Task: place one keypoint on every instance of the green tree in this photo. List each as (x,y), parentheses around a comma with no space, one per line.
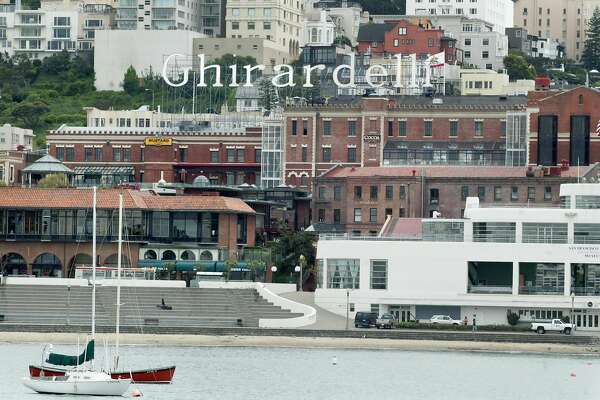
(591,52)
(288,249)
(131,82)
(342,41)
(30,113)
(269,99)
(54,181)
(517,67)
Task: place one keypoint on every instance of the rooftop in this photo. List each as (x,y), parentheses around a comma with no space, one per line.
(15,197)
(445,172)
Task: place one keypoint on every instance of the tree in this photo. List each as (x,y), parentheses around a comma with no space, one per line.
(288,249)
(591,52)
(342,41)
(54,181)
(131,82)
(269,99)
(30,113)
(517,67)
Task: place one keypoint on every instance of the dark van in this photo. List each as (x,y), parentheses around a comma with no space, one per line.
(365,319)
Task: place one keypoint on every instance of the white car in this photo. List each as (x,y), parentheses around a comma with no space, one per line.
(444,319)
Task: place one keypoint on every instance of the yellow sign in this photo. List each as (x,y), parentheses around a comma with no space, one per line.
(158,141)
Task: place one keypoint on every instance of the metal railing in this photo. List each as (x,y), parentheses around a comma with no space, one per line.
(585,290)
(539,290)
(484,289)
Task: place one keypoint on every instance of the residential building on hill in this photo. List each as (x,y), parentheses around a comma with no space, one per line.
(565,20)
(486,82)
(498,13)
(158,14)
(14,138)
(280,21)
(346,15)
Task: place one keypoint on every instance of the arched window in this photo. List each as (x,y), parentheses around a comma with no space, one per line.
(188,255)
(313,36)
(150,255)
(47,264)
(168,255)
(13,264)
(580,99)
(206,256)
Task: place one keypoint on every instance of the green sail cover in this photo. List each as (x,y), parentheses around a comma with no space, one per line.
(62,359)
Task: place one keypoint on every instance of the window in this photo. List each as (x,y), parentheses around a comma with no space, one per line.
(389,192)
(379,274)
(357,192)
(467,41)
(88,153)
(434,196)
(266,26)
(214,156)
(60,153)
(337,216)
(322,193)
(326,128)
(390,128)
(337,192)
(481,193)
(548,193)
(544,233)
(116,154)
(351,128)
(294,127)
(321,215)
(343,274)
(464,193)
(241,155)
(257,156)
(402,192)
(99,154)
(326,154)
(389,213)
(478,128)
(231,155)
(183,152)
(496,232)
(358,215)
(235,25)
(127,154)
(485,54)
(373,192)
(373,215)
(428,128)
(497,193)
(304,127)
(453,128)
(514,193)
(401,128)
(531,193)
(351,154)
(587,233)
(402,213)
(304,153)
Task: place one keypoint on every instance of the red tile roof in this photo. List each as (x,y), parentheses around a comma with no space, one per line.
(442,172)
(109,199)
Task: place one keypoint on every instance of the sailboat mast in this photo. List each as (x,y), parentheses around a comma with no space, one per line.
(94,257)
(120,255)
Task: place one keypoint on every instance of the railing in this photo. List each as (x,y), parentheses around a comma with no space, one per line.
(585,291)
(537,290)
(484,289)
(88,237)
(346,236)
(111,273)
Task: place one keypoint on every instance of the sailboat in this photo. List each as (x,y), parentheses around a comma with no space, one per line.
(79,381)
(152,375)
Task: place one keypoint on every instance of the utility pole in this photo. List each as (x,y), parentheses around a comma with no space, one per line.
(347,307)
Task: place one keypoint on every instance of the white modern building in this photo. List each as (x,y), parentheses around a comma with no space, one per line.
(14,138)
(145,50)
(540,263)
(280,21)
(499,13)
(347,16)
(158,14)
(319,29)
(485,82)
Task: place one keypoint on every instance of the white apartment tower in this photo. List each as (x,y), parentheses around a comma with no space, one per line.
(497,12)
(159,14)
(565,20)
(280,21)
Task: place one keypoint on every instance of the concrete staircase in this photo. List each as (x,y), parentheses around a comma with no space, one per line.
(191,307)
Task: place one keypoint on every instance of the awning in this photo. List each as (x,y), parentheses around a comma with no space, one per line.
(104,170)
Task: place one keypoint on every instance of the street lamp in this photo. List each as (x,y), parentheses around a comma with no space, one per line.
(572,307)
(587,76)
(298,270)
(347,307)
(151,90)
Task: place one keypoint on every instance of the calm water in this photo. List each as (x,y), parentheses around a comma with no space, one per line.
(250,373)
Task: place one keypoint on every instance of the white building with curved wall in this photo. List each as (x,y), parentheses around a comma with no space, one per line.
(540,263)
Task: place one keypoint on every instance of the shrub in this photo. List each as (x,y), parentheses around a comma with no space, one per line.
(513,319)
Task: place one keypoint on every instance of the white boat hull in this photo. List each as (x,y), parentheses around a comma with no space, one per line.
(60,385)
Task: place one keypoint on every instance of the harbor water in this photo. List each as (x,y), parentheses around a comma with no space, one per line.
(291,373)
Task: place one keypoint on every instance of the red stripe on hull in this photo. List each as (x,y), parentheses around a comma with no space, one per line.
(158,375)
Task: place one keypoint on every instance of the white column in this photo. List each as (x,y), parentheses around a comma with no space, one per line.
(515,278)
(519,232)
(567,291)
(570,232)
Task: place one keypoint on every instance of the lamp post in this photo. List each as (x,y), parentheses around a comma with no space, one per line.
(151,90)
(273,270)
(587,76)
(298,270)
(572,307)
(347,307)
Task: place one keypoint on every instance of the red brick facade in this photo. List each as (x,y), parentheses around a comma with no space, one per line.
(356,133)
(563,105)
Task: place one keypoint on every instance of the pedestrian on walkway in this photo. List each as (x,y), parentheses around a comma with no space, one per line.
(474,323)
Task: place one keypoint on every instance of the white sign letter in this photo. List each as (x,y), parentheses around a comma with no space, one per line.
(351,67)
(289,74)
(166,75)
(372,74)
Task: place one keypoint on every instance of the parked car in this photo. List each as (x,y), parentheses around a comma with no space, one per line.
(385,321)
(555,326)
(365,319)
(444,320)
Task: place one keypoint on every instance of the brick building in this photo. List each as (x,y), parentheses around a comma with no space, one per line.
(404,37)
(404,130)
(48,232)
(563,127)
(359,200)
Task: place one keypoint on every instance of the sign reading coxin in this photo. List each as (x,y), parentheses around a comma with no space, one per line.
(158,141)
